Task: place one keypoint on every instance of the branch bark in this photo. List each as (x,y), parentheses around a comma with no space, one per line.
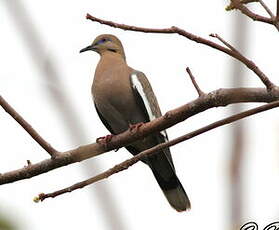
(240,6)
(133,160)
(175,30)
(221,97)
(267,9)
(198,89)
(28,128)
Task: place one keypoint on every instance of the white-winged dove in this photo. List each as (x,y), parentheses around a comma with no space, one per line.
(124,97)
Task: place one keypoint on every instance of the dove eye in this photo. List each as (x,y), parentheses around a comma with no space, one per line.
(104,40)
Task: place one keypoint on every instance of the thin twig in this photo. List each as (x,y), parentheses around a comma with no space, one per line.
(263,77)
(127,27)
(28,128)
(277,12)
(220,97)
(224,42)
(238,5)
(267,9)
(231,6)
(200,92)
(127,163)
(250,14)
(251,65)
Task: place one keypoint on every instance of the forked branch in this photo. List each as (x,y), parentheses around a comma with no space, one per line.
(127,163)
(175,30)
(221,97)
(240,5)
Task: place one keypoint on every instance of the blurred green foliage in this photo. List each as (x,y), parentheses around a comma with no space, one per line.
(5,223)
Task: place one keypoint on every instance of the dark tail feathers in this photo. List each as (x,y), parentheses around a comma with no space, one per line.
(170,185)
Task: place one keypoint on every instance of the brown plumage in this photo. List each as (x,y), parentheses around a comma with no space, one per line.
(123,97)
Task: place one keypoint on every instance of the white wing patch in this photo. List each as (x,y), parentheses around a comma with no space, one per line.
(138,86)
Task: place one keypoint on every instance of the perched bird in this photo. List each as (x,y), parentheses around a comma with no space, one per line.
(123,98)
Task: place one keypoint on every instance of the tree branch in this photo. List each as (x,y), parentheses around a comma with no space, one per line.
(249,13)
(225,43)
(220,97)
(267,9)
(251,65)
(200,92)
(238,5)
(232,7)
(127,163)
(261,75)
(28,128)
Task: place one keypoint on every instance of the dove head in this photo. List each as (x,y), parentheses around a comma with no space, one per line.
(106,43)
